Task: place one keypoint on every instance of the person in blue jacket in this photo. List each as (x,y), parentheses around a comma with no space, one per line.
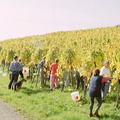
(95,90)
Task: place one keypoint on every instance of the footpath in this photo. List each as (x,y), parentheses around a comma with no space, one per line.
(8,113)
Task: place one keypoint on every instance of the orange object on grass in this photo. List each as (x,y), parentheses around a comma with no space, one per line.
(76,97)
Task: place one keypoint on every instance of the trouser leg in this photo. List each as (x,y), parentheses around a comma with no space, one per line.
(67,80)
(106,89)
(11,81)
(77,81)
(82,82)
(56,81)
(99,103)
(41,77)
(52,80)
(102,91)
(91,104)
(14,78)
(21,74)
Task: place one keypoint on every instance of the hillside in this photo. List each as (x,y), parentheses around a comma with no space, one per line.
(83,49)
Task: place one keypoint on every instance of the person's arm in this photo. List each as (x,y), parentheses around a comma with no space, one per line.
(105,79)
(20,66)
(102,71)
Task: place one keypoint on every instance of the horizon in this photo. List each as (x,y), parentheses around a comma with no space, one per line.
(25,18)
(56,32)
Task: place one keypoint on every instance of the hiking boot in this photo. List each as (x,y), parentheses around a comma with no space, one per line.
(90,114)
(103,101)
(96,114)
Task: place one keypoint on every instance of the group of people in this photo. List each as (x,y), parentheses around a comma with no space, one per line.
(53,73)
(16,69)
(99,87)
(99,83)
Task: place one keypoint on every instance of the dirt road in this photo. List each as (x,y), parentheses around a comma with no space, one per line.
(8,113)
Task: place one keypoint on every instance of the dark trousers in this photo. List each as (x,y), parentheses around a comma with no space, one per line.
(14,79)
(92,103)
(21,74)
(78,81)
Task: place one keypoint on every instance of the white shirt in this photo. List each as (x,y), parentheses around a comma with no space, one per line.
(105,71)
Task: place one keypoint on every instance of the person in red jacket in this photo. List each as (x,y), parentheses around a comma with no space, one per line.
(53,75)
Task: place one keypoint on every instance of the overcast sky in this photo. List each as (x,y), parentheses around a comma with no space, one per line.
(20,18)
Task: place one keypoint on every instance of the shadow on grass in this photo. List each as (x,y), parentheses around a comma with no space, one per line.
(1,94)
(107,117)
(30,91)
(112,97)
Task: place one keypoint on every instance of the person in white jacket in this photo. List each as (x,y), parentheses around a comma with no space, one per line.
(105,71)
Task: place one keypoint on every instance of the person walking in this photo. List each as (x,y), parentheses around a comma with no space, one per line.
(95,90)
(103,72)
(54,77)
(15,67)
(41,68)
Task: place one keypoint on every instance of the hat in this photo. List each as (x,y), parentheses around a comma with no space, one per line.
(106,62)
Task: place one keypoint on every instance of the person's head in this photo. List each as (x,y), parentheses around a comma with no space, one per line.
(56,60)
(16,58)
(106,63)
(96,72)
(44,58)
(19,60)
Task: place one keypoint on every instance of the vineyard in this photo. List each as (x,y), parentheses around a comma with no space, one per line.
(81,49)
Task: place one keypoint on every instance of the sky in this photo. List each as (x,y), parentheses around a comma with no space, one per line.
(20,18)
